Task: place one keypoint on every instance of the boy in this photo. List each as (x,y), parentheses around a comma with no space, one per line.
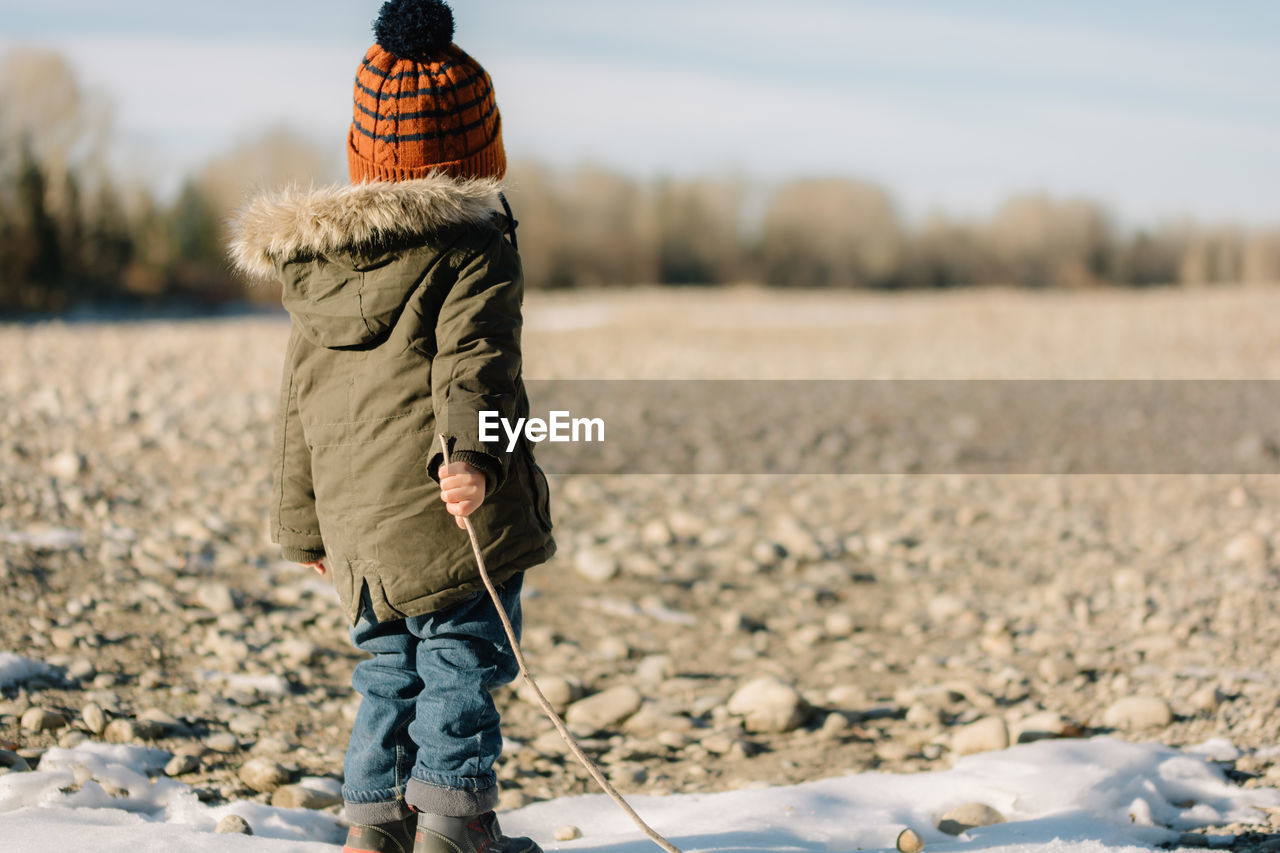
(405,294)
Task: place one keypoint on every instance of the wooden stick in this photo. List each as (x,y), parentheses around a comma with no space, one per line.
(582,757)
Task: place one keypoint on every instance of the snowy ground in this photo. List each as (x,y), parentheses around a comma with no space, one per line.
(1081,795)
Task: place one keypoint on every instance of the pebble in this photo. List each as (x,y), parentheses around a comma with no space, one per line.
(247,724)
(263,774)
(768,704)
(217,597)
(301,797)
(180,764)
(987,734)
(968,816)
(605,709)
(1044,725)
(561,692)
(568,833)
(67,465)
(42,720)
(1248,549)
(596,564)
(1206,699)
(909,841)
(13,762)
(233,824)
(1138,712)
(224,742)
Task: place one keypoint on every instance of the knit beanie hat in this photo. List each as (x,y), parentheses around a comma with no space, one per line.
(421,104)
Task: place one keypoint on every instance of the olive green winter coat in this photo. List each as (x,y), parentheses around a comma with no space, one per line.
(405,300)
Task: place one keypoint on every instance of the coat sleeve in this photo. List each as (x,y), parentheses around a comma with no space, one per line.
(294,526)
(477,362)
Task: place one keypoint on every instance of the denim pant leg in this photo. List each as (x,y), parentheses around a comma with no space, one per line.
(462,654)
(381,752)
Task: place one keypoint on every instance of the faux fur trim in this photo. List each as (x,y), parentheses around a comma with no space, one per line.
(285,224)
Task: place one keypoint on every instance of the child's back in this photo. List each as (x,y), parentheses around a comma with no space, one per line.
(405,293)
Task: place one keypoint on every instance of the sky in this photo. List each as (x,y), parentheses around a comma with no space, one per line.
(1159,108)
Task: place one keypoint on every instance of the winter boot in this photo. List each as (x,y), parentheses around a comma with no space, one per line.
(479,834)
(393,837)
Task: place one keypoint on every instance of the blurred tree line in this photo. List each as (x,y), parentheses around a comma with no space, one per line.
(71,232)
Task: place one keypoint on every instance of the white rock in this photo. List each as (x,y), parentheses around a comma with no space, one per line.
(42,720)
(217,597)
(1138,712)
(560,692)
(568,833)
(596,564)
(263,774)
(180,764)
(989,733)
(605,709)
(95,719)
(301,797)
(968,816)
(66,465)
(233,824)
(768,705)
(1248,549)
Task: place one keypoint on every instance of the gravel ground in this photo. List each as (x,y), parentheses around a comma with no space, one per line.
(704,633)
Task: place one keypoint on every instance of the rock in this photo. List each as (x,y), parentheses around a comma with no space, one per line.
(909,841)
(13,762)
(180,764)
(596,564)
(968,816)
(1057,669)
(233,824)
(568,833)
(769,705)
(985,735)
(1044,725)
(656,534)
(298,651)
(559,691)
(66,465)
(42,720)
(1247,549)
(63,638)
(81,669)
(655,668)
(217,597)
(1206,699)
(605,709)
(72,738)
(126,730)
(921,714)
(166,721)
(223,742)
(263,774)
(247,724)
(300,797)
(1138,712)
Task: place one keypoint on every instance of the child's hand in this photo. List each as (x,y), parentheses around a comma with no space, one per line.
(318,565)
(461,489)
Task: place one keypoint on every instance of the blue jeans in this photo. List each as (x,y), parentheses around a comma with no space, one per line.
(427,732)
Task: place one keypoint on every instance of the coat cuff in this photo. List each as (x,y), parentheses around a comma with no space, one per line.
(301,555)
(487,463)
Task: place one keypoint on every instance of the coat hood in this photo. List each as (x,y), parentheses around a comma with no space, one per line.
(328,245)
(280,226)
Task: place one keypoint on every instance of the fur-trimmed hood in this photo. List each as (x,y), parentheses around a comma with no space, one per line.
(283,225)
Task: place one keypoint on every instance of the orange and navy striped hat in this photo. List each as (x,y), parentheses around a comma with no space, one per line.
(421,103)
